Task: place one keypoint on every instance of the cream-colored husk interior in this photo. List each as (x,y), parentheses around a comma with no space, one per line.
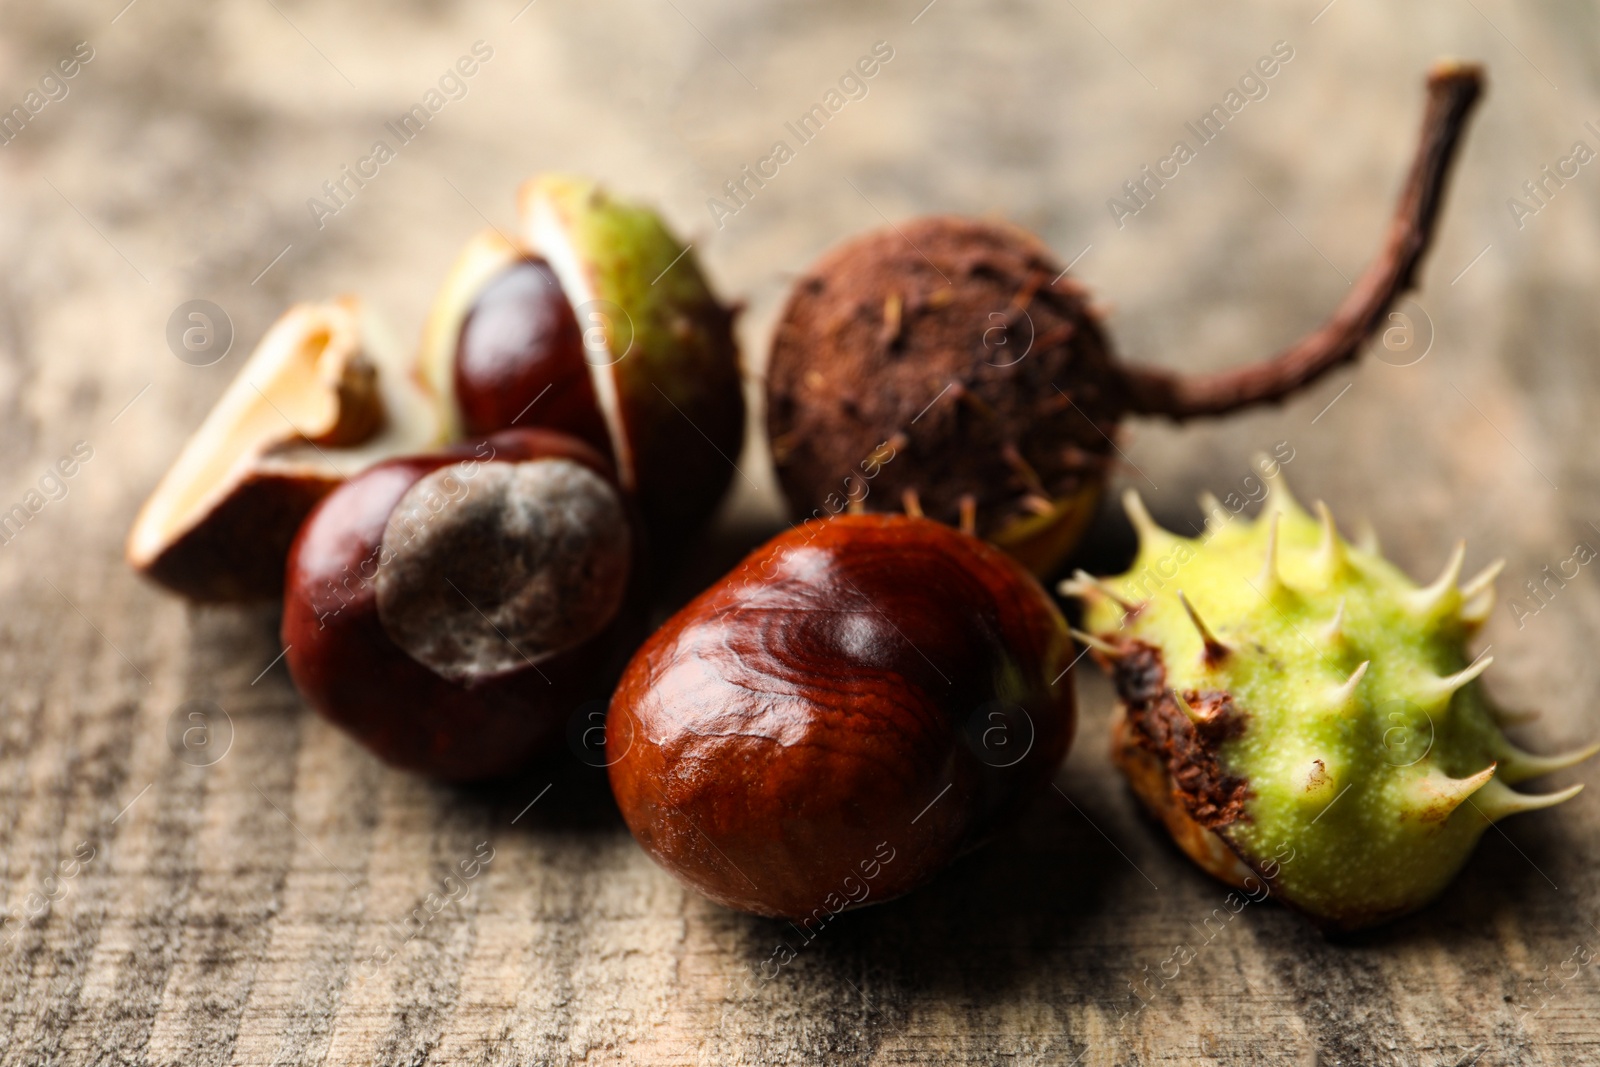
(285,396)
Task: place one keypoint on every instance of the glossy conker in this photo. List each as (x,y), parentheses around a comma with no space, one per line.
(858,703)
(520,359)
(451,610)
(961,350)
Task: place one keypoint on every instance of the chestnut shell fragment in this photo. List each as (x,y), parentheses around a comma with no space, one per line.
(859,687)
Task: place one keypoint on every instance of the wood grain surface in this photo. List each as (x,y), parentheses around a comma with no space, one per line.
(255,910)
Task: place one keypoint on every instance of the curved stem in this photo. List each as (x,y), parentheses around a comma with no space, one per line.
(1453,89)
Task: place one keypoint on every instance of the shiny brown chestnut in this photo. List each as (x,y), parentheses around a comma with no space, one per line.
(520,356)
(450,610)
(861,701)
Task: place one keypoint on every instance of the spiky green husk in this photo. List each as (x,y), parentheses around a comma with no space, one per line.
(1363,757)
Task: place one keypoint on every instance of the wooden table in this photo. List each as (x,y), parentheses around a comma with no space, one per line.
(223,913)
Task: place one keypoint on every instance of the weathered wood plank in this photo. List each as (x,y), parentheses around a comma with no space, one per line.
(243,912)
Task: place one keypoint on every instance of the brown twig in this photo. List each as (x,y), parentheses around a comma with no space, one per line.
(1453,89)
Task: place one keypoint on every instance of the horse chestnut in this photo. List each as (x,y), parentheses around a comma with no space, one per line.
(449,610)
(595,320)
(860,702)
(521,353)
(981,317)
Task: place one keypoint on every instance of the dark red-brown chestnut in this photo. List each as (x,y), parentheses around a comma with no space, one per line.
(450,610)
(520,358)
(858,703)
(954,365)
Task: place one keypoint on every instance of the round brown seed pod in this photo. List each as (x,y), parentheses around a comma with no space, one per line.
(954,366)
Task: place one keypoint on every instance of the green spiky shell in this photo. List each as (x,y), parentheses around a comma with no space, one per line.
(1359,760)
